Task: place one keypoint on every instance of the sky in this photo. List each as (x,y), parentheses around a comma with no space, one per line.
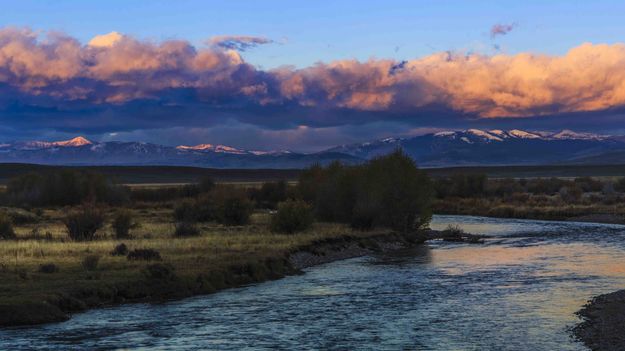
(306,75)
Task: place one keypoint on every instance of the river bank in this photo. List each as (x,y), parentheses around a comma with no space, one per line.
(160,282)
(603,326)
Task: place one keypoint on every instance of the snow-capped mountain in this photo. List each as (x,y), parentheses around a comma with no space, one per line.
(80,151)
(494,147)
(447,148)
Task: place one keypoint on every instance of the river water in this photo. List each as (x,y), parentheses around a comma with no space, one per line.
(518,291)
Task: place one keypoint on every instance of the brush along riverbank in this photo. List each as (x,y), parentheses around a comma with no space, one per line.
(45,278)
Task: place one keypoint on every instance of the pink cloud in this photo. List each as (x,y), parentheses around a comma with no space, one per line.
(119,69)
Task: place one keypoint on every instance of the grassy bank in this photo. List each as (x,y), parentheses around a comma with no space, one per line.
(580,199)
(510,208)
(219,257)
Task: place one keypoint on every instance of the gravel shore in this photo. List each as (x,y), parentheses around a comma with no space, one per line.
(603,327)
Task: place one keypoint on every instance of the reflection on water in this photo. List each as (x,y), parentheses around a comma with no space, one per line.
(518,291)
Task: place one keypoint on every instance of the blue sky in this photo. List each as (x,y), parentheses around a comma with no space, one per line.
(314,73)
(311,31)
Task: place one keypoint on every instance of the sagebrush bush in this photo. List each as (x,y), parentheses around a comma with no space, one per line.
(122,223)
(144,254)
(120,250)
(90,262)
(83,224)
(199,209)
(6,227)
(292,216)
(232,206)
(186,228)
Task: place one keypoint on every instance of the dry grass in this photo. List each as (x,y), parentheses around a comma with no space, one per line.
(217,247)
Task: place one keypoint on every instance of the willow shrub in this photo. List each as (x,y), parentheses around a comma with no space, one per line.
(292,216)
(388,191)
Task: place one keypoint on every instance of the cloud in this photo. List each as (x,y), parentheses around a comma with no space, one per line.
(238,42)
(106,40)
(501,29)
(118,83)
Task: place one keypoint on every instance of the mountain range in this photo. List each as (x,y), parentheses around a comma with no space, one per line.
(470,147)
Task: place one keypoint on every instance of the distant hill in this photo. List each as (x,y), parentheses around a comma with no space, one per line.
(472,147)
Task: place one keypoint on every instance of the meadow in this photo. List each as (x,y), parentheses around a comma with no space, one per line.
(75,240)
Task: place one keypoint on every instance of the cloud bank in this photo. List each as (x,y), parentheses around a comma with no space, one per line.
(120,83)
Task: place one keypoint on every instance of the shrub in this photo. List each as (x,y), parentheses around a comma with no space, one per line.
(6,227)
(269,194)
(453,233)
(200,209)
(388,191)
(122,223)
(62,188)
(20,216)
(144,254)
(571,193)
(90,262)
(48,268)
(232,207)
(186,229)
(619,185)
(292,216)
(82,225)
(120,250)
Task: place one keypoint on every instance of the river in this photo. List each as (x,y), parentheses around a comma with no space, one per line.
(518,291)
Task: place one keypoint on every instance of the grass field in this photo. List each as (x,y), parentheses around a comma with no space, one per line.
(219,257)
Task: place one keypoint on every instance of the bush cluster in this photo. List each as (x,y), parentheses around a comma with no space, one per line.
(232,206)
(122,223)
(62,188)
(292,216)
(269,194)
(388,191)
(186,229)
(6,227)
(144,254)
(83,224)
(227,205)
(120,250)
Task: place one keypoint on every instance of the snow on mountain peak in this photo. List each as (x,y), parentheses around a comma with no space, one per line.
(483,134)
(523,134)
(569,134)
(77,141)
(196,147)
(210,147)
